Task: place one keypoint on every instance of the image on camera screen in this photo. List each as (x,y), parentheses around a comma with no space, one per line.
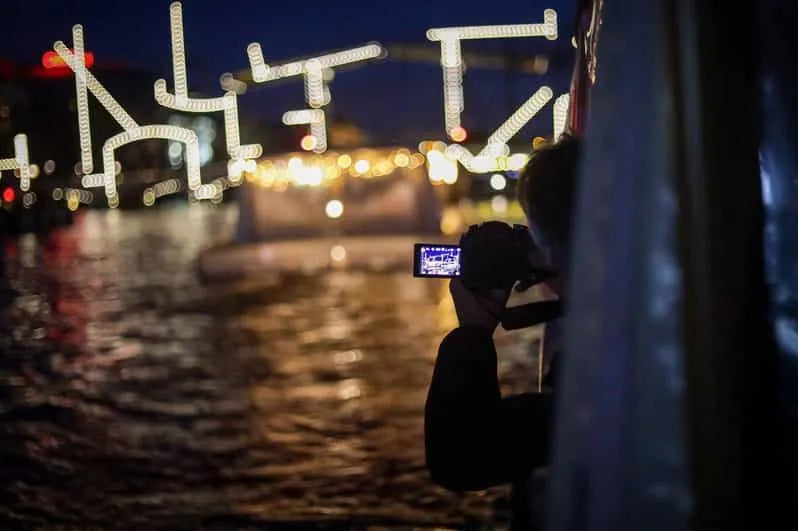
(438,261)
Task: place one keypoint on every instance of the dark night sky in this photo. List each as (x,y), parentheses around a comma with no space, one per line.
(391,99)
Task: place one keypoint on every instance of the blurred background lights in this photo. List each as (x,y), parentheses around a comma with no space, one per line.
(458,134)
(344,161)
(334,209)
(28,199)
(338,253)
(516,161)
(499,204)
(308,142)
(401,159)
(498,182)
(9,195)
(362,166)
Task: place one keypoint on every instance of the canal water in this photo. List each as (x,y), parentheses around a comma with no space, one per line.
(136,393)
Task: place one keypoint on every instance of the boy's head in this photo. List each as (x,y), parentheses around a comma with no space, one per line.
(546,191)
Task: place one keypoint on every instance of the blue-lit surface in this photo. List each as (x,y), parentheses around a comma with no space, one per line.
(439,261)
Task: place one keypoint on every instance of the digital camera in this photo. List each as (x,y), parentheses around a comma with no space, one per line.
(491,255)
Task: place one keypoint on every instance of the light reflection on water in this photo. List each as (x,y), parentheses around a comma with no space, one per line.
(134,394)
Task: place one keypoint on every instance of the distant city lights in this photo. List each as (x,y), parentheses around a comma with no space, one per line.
(334,209)
(362,166)
(498,182)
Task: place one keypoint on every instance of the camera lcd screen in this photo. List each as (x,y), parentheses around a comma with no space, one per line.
(436,260)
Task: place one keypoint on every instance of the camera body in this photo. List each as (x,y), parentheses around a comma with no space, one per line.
(491,255)
(496,255)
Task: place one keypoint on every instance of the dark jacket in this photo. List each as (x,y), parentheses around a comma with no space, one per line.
(475,438)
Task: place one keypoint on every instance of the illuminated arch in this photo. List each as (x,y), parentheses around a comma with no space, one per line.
(107,179)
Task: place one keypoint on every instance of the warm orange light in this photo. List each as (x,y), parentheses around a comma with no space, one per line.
(8,195)
(538,142)
(51,59)
(308,142)
(458,134)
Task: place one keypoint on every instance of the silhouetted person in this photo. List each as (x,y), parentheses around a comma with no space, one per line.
(474,437)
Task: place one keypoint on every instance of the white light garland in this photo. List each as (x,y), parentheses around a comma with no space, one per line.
(452,60)
(84,125)
(560,114)
(86,82)
(520,117)
(20,162)
(103,96)
(181,101)
(547,29)
(263,72)
(132,132)
(317,71)
(318,125)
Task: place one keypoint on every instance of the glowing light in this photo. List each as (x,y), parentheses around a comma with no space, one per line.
(401,159)
(73,200)
(319,131)
(28,199)
(294,163)
(103,96)
(441,168)
(164,132)
(316,119)
(304,116)
(49,167)
(547,29)
(458,134)
(58,194)
(308,142)
(96,180)
(263,72)
(20,162)
(9,195)
(516,161)
(317,71)
(498,182)
(344,161)
(362,166)
(133,132)
(314,84)
(34,172)
(148,197)
(560,114)
(182,102)
(178,49)
(84,127)
(338,253)
(539,142)
(50,59)
(416,160)
(334,209)
(452,61)
(520,117)
(499,204)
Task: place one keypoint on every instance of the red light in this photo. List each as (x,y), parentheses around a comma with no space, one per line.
(8,195)
(51,59)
